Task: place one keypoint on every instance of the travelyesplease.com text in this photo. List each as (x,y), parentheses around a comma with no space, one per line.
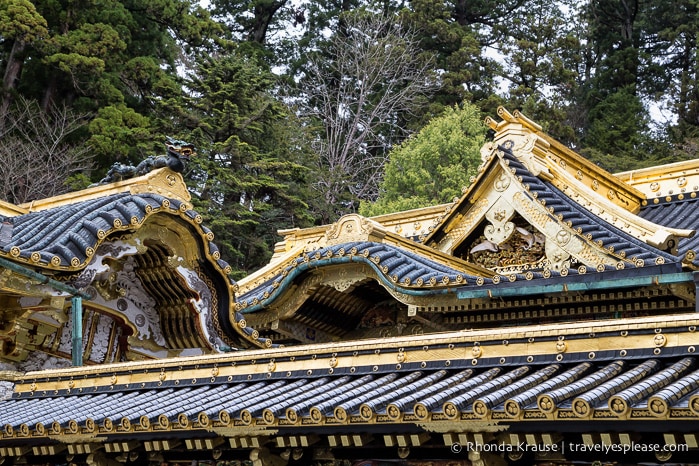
(563,447)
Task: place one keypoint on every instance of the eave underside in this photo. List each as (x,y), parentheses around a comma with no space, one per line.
(357,307)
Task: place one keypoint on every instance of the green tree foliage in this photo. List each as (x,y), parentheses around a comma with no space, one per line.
(256,26)
(95,55)
(623,79)
(434,165)
(540,56)
(121,131)
(459,32)
(248,178)
(616,137)
(587,71)
(21,26)
(672,40)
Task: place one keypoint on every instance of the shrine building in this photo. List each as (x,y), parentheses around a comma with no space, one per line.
(547,316)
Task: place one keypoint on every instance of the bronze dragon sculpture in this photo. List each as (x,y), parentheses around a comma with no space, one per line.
(178,154)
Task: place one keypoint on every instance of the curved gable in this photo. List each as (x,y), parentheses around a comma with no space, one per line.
(156,283)
(538,219)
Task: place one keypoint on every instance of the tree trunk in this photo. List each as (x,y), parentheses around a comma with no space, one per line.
(263,18)
(10,79)
(49,94)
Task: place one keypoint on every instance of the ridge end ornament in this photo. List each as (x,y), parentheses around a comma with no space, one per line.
(531,150)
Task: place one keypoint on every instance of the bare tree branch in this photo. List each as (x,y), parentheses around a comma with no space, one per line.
(35,157)
(376,78)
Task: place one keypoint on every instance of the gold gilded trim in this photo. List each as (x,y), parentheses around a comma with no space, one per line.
(533,341)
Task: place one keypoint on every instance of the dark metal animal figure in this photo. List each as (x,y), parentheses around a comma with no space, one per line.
(178,154)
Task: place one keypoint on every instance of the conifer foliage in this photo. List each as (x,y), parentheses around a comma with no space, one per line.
(434,165)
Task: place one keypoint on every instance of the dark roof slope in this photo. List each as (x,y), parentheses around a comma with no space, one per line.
(68,235)
(414,392)
(679,211)
(584,222)
(395,266)
(400,268)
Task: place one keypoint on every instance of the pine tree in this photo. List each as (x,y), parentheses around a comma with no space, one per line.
(541,55)
(617,132)
(103,59)
(249,175)
(21,26)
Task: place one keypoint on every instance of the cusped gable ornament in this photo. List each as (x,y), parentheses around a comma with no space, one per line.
(354,227)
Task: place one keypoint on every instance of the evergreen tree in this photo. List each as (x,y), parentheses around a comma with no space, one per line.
(460,33)
(540,54)
(617,132)
(249,176)
(616,137)
(433,166)
(672,40)
(21,26)
(102,58)
(257,25)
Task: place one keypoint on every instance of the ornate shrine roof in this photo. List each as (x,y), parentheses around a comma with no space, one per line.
(552,296)
(405,267)
(589,228)
(677,212)
(644,369)
(537,218)
(67,236)
(139,252)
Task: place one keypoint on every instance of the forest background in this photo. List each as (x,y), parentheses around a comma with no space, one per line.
(304,110)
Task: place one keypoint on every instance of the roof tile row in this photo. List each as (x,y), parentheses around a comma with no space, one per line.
(654,384)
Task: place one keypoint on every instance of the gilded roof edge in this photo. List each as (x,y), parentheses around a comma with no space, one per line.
(161,181)
(553,152)
(594,189)
(659,236)
(407,223)
(349,228)
(536,339)
(10,210)
(678,178)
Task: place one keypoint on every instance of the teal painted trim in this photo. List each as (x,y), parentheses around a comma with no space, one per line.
(302,267)
(606,284)
(76,303)
(484,291)
(41,278)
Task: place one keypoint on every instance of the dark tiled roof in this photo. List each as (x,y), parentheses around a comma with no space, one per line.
(66,236)
(587,224)
(404,269)
(652,387)
(397,266)
(676,213)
